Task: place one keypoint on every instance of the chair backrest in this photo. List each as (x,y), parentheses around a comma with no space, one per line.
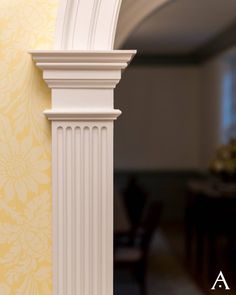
(135,199)
(150,223)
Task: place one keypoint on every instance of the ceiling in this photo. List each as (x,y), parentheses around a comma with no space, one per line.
(184,27)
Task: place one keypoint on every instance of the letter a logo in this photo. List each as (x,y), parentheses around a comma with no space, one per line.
(220,279)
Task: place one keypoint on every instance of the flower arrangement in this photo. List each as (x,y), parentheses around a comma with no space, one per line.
(224,163)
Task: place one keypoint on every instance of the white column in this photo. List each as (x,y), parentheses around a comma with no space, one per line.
(82,118)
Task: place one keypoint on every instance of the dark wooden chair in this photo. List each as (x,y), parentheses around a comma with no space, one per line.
(135,257)
(135,200)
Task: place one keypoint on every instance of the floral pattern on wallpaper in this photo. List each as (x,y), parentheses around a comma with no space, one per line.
(25,196)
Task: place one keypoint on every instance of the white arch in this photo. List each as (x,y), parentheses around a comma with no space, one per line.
(92,24)
(131,15)
(87,24)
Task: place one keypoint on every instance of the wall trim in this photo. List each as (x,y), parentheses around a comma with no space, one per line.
(82,116)
(82,72)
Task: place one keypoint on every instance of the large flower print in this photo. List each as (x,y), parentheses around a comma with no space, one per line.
(22,168)
(29,239)
(25,184)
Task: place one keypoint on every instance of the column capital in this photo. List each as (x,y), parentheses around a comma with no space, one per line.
(82,82)
(82,69)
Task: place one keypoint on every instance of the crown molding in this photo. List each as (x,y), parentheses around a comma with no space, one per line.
(102,56)
(82,70)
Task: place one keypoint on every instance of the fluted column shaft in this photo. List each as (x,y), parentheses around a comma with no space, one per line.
(83,206)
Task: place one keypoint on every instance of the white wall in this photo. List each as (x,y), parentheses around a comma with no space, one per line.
(159,128)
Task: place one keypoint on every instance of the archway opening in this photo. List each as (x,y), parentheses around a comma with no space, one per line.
(177,100)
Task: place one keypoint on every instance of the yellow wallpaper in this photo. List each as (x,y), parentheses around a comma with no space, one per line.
(25,196)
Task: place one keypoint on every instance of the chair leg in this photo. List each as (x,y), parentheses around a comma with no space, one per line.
(141,277)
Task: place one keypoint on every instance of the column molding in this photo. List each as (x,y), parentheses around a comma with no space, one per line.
(82,115)
(87,24)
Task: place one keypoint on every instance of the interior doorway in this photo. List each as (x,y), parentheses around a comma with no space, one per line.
(174,99)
